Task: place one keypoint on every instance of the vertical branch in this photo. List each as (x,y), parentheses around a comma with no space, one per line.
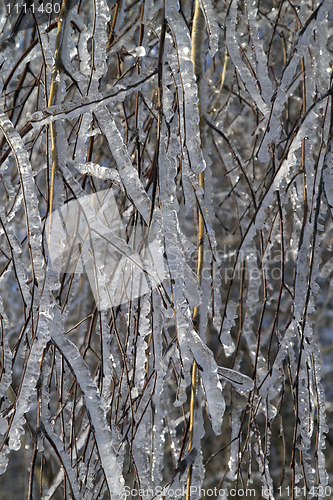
(196,57)
(303,164)
(57,68)
(160,112)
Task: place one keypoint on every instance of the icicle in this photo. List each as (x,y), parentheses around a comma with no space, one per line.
(141,342)
(29,193)
(101,19)
(127,172)
(198,471)
(209,374)
(17,252)
(103,435)
(8,60)
(228,321)
(159,397)
(88,104)
(211,258)
(184,291)
(282,173)
(57,443)
(96,170)
(240,381)
(28,387)
(267,490)
(234,443)
(6,354)
(253,301)
(106,395)
(261,59)
(212,27)
(141,445)
(235,54)
(82,49)
(284,89)
(179,59)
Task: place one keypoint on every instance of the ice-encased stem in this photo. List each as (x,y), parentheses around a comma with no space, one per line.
(196,54)
(58,68)
(33,221)
(110,461)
